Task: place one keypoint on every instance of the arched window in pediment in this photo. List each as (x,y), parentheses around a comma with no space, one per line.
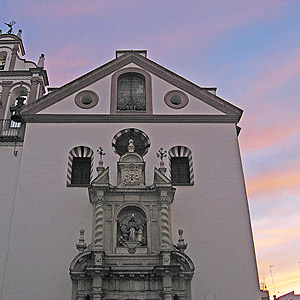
(131,91)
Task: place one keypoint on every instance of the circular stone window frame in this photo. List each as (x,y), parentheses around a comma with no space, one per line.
(95,99)
(170,94)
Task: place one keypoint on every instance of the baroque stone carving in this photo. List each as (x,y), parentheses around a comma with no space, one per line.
(132,229)
(131,175)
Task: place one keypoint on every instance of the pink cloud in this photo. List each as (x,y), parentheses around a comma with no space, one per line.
(68,8)
(66,63)
(284,180)
(275,72)
(209,20)
(257,137)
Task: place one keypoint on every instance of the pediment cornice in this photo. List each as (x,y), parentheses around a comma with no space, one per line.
(142,62)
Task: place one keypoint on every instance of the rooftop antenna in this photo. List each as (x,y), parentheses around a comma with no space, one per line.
(10,25)
(271,271)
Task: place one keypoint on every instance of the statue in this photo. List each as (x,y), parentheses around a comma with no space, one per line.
(132,229)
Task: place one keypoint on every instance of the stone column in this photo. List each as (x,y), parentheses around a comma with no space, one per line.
(97,287)
(99,222)
(80,290)
(33,89)
(4,97)
(13,58)
(167,287)
(165,224)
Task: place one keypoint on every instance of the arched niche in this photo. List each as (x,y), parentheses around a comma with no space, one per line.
(3,57)
(131,227)
(17,98)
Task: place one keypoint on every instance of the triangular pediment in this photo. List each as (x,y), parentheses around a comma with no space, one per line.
(202,102)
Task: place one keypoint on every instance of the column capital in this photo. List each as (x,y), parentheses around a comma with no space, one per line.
(164,201)
(99,201)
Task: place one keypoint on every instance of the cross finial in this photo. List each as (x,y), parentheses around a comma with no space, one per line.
(100,167)
(101,153)
(161,154)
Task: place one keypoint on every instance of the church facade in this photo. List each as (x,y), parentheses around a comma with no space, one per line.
(125,183)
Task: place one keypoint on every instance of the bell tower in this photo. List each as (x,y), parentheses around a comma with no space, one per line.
(21,83)
(131,255)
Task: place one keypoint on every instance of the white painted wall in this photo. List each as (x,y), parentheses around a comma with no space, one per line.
(9,169)
(213,213)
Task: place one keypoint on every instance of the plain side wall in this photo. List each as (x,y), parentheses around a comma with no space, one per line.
(9,170)
(213,213)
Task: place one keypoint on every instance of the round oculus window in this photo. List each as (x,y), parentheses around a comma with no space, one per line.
(176,99)
(86,99)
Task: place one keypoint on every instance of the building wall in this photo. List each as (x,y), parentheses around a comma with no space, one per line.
(9,171)
(213,213)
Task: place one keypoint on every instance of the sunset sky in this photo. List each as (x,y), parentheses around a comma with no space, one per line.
(249,49)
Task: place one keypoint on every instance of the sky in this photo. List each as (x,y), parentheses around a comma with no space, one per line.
(249,50)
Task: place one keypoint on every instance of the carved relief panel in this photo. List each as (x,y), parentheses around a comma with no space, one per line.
(131,228)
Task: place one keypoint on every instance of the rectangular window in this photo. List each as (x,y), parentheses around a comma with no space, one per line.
(81,170)
(180,171)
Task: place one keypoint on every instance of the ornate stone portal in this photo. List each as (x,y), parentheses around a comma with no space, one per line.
(131,255)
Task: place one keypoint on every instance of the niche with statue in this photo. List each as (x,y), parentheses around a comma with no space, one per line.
(132,228)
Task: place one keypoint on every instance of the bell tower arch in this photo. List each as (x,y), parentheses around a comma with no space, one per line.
(21,83)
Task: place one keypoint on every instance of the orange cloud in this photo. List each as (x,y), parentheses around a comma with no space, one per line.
(256,137)
(268,183)
(272,237)
(276,242)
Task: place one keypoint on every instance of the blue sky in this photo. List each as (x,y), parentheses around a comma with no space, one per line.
(250,50)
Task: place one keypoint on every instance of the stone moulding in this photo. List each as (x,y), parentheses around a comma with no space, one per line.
(129,118)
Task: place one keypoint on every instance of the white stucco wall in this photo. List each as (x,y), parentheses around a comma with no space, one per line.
(213,213)
(9,170)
